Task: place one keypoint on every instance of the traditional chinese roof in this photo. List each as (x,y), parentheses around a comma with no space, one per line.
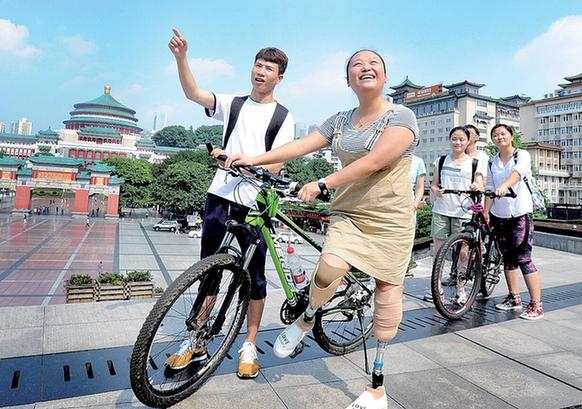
(104,110)
(457,84)
(17,138)
(24,172)
(101,168)
(146,142)
(574,78)
(406,83)
(83,175)
(55,160)
(99,132)
(10,161)
(49,134)
(116,180)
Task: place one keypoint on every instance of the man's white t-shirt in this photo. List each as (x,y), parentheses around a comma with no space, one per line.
(507,207)
(455,177)
(248,138)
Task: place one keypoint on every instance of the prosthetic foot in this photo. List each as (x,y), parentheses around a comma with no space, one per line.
(371,399)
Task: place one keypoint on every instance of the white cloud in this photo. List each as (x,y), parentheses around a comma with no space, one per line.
(13,40)
(319,91)
(325,79)
(555,53)
(77,45)
(205,69)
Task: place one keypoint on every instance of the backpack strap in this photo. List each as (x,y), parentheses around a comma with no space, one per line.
(441,163)
(474,168)
(525,179)
(275,125)
(235,107)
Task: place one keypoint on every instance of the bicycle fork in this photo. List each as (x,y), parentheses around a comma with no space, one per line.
(206,297)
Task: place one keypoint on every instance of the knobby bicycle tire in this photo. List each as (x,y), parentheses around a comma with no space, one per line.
(140,384)
(475,272)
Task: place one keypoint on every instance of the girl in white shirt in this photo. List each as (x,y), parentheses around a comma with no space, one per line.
(512,221)
(448,213)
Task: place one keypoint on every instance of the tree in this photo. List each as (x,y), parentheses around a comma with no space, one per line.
(137,189)
(298,170)
(212,133)
(183,185)
(176,136)
(320,168)
(307,170)
(193,155)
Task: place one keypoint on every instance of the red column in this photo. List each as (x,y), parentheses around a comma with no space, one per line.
(81,202)
(112,205)
(23,198)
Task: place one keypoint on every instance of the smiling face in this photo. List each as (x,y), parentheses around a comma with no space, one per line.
(264,76)
(366,71)
(501,137)
(459,141)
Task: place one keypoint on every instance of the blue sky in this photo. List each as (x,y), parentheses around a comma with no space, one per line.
(55,54)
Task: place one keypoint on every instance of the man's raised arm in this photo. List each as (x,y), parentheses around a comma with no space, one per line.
(179,47)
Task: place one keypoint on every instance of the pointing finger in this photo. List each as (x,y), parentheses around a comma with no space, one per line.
(177,33)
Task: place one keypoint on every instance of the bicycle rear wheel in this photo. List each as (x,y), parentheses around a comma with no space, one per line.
(456,276)
(214,293)
(337,328)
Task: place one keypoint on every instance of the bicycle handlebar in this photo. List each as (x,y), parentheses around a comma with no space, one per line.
(489,193)
(291,188)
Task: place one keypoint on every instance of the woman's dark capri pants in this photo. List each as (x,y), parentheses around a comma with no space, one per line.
(217,212)
(515,237)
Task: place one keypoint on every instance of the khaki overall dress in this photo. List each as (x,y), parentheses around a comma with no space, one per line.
(372,225)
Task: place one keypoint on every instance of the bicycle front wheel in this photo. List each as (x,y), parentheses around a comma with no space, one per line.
(456,276)
(204,307)
(343,324)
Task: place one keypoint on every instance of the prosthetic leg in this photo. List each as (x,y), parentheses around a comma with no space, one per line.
(325,281)
(387,316)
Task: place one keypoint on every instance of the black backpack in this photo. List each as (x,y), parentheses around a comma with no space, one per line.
(272,130)
(474,164)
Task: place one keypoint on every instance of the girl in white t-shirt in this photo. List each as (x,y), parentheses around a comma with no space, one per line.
(448,212)
(512,221)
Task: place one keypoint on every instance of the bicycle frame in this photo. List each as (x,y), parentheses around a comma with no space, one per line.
(260,220)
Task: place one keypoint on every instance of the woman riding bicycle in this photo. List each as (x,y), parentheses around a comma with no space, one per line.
(513,221)
(372,225)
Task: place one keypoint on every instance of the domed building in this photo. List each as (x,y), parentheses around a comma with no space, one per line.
(104,112)
(102,128)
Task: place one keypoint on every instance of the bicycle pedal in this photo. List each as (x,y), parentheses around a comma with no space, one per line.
(298,349)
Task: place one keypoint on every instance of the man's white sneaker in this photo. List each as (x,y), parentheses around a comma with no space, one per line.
(291,336)
(371,399)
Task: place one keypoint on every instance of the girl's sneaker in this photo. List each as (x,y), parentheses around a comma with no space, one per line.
(511,302)
(534,311)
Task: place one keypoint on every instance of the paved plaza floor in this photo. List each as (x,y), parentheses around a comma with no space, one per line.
(501,363)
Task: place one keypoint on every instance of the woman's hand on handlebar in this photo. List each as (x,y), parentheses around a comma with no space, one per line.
(501,191)
(476,187)
(309,192)
(238,159)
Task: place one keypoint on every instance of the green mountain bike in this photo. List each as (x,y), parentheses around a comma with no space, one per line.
(208,303)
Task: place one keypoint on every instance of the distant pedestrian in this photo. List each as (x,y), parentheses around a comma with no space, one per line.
(87,222)
(62,211)
(99,267)
(25,219)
